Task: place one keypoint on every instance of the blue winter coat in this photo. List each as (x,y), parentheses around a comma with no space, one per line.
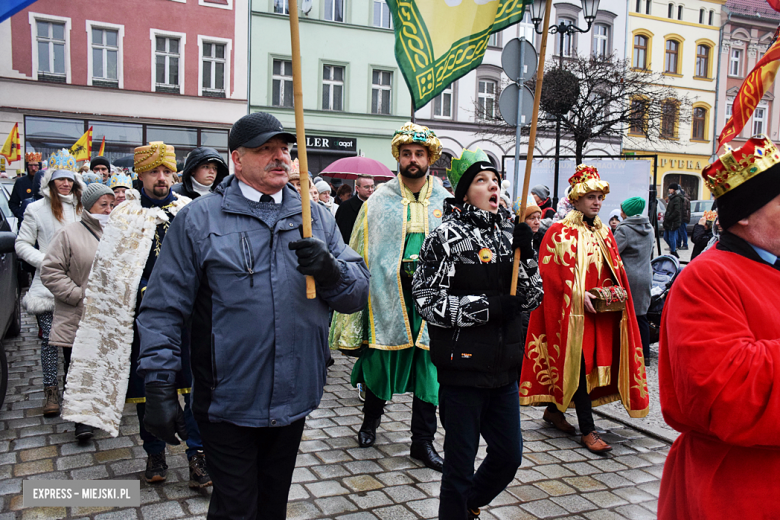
(259,347)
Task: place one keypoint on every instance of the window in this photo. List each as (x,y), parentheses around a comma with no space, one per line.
(679,12)
(670,12)
(282,84)
(332,88)
(495,39)
(334,10)
(486,98)
(442,104)
(213,69)
(759,118)
(702,61)
(382,16)
(51,47)
(672,51)
(648,3)
(105,53)
(729,109)
(166,55)
(699,120)
(381,90)
(701,15)
(601,40)
(282,6)
(638,116)
(735,62)
(669,119)
(568,39)
(638,6)
(712,18)
(527,27)
(640,52)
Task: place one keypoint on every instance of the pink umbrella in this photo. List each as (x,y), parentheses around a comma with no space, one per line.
(351,167)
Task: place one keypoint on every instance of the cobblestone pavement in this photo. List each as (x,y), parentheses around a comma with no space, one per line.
(334,478)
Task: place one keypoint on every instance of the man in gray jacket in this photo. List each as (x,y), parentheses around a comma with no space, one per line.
(233,263)
(634,238)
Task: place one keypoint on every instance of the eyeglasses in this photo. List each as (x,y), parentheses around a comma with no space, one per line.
(369,188)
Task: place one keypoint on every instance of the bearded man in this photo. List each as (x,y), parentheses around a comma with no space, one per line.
(389,335)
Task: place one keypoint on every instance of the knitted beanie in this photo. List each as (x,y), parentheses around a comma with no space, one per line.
(92,193)
(633,206)
(322,186)
(541,191)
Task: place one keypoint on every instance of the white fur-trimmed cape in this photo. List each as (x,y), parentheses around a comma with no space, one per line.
(100,364)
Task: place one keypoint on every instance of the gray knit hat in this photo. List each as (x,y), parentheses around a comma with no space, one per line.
(541,191)
(92,193)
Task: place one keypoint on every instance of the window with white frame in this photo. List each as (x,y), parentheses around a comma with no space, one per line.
(282,84)
(167,55)
(105,54)
(638,6)
(735,62)
(381,91)
(679,12)
(281,6)
(527,27)
(670,11)
(382,16)
(601,40)
(702,15)
(648,4)
(442,104)
(334,10)
(214,60)
(50,37)
(759,121)
(486,98)
(332,88)
(729,109)
(495,39)
(712,18)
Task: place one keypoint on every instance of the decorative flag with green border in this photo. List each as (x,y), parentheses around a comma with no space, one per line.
(439,41)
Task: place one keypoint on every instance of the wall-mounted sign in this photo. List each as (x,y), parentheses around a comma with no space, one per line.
(342,144)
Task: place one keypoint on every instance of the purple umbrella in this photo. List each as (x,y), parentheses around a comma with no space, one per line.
(351,167)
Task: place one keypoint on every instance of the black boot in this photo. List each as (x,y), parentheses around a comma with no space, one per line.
(83,432)
(367,433)
(426,453)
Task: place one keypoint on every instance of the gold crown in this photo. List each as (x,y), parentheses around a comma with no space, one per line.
(736,167)
(33,157)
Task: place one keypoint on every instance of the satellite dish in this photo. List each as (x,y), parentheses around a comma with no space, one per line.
(306,6)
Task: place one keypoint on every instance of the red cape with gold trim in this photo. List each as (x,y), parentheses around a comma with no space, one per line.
(574,258)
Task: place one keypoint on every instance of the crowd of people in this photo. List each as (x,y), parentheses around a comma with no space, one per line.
(156,289)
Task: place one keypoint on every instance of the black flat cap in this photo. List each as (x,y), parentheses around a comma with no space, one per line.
(256,129)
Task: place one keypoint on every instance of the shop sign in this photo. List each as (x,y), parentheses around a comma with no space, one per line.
(342,144)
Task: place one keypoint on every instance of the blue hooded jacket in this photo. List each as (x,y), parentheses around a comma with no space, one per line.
(259,347)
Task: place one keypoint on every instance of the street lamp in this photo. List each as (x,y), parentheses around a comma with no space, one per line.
(589,10)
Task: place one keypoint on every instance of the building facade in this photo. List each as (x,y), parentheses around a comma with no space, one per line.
(680,40)
(748,29)
(135,71)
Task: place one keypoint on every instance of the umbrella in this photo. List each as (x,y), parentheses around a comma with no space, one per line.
(351,167)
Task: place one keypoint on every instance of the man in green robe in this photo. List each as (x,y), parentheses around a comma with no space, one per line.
(389,336)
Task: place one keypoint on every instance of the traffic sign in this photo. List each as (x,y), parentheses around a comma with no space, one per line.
(507,104)
(516,50)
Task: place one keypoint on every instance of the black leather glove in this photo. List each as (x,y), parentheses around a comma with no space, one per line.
(315,260)
(504,307)
(164,417)
(522,238)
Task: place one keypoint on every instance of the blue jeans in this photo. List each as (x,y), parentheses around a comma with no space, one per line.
(466,412)
(670,237)
(682,240)
(153,445)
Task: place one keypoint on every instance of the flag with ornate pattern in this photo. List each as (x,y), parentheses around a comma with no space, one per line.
(439,41)
(750,93)
(12,149)
(82,149)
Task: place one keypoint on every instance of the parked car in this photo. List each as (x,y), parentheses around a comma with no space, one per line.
(10,297)
(6,187)
(660,209)
(698,207)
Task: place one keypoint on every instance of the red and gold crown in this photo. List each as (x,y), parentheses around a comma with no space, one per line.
(32,157)
(736,167)
(585,180)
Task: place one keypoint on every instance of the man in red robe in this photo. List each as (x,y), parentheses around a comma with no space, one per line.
(719,362)
(575,356)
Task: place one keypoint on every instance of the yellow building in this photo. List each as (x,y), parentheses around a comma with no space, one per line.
(679,40)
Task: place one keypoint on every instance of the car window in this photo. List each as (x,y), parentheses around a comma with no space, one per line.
(4,205)
(706,205)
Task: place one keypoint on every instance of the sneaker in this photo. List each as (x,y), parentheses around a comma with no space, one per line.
(156,468)
(199,476)
(361,392)
(683,248)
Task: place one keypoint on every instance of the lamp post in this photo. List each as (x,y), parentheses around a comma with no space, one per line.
(589,9)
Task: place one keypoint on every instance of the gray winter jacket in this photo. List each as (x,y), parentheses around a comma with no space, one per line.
(634,237)
(259,348)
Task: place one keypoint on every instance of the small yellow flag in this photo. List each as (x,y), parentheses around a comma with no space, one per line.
(12,149)
(82,150)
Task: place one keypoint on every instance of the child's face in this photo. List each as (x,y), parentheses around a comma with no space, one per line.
(613,223)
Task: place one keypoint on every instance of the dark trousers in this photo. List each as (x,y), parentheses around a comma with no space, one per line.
(423,416)
(466,412)
(153,445)
(582,404)
(644,333)
(251,469)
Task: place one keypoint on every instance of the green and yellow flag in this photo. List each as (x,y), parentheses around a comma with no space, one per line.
(439,41)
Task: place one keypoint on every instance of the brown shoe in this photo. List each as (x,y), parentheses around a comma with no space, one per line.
(51,401)
(558,419)
(593,442)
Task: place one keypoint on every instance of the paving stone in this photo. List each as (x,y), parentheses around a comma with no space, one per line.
(365,453)
(38,453)
(608,465)
(363,466)
(612,480)
(75,461)
(161,511)
(544,508)
(555,487)
(333,456)
(326,489)
(508,513)
(397,463)
(567,455)
(330,471)
(394,513)
(605,499)
(652,488)
(178,491)
(74,448)
(651,505)
(370,499)
(528,493)
(111,455)
(197,505)
(124,514)
(541,458)
(403,494)
(303,475)
(10,486)
(361,483)
(633,495)
(424,475)
(44,513)
(632,461)
(635,512)
(31,468)
(357,516)
(554,471)
(76,512)
(335,505)
(574,503)
(657,471)
(428,508)
(603,515)
(114,442)
(91,473)
(29,442)
(30,431)
(394,478)
(127,467)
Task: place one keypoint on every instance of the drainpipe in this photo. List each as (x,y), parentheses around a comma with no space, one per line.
(717,86)
(626,52)
(249,57)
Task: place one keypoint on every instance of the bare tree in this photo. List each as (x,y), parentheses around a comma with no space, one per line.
(601,98)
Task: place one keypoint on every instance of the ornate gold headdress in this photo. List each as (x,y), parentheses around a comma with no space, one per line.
(153,155)
(412,133)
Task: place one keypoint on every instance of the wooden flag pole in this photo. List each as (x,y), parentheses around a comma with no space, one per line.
(300,132)
(532,137)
